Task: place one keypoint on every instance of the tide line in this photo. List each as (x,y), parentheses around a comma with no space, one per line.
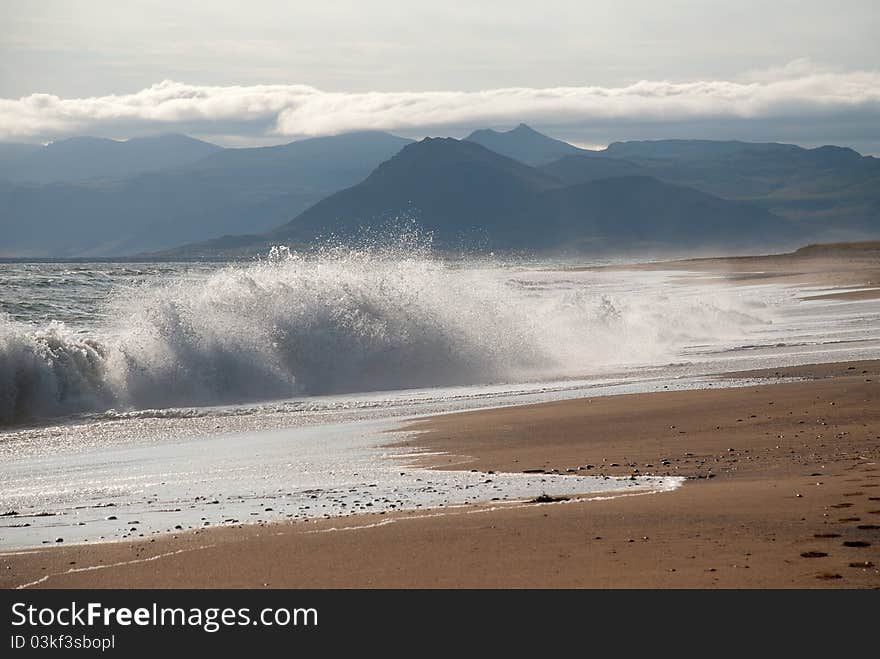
(92,568)
(669,485)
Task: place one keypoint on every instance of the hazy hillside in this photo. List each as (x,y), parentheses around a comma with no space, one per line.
(230,191)
(10,154)
(524,144)
(319,163)
(640,210)
(467,195)
(457,189)
(832,191)
(475,192)
(589,166)
(84,158)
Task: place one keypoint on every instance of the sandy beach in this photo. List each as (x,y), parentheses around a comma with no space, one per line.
(783,490)
(832,265)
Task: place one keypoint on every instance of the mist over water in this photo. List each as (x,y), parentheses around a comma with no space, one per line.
(347,320)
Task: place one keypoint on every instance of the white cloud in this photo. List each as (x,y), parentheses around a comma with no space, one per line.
(798,90)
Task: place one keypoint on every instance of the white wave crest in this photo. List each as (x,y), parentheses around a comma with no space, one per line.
(340,320)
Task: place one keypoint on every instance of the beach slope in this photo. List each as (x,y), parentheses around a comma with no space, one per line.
(782,490)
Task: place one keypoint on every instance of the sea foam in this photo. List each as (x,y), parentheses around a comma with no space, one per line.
(344,320)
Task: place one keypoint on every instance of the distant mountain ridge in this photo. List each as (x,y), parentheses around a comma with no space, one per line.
(525,144)
(469,197)
(456,189)
(830,191)
(12,153)
(228,191)
(85,158)
(315,163)
(515,189)
(461,191)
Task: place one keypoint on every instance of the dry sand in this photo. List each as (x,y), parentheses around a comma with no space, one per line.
(795,482)
(841,265)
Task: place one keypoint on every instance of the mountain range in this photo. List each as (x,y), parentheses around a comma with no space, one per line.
(827,191)
(467,195)
(84,158)
(227,190)
(517,189)
(524,144)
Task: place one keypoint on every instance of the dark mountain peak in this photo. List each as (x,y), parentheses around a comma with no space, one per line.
(446,154)
(439,150)
(454,187)
(438,140)
(433,147)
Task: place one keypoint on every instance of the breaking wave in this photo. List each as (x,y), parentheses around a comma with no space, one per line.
(339,320)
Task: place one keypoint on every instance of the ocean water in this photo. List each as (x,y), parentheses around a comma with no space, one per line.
(155,389)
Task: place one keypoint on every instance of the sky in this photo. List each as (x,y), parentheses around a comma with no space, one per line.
(268,71)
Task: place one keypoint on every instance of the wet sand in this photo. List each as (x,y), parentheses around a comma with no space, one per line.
(783,490)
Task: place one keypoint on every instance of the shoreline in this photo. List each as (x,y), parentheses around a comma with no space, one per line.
(831,266)
(737,521)
(782,489)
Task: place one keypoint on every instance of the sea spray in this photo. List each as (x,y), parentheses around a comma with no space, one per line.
(49,371)
(345,320)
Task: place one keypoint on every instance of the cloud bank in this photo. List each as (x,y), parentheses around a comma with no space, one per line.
(800,92)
